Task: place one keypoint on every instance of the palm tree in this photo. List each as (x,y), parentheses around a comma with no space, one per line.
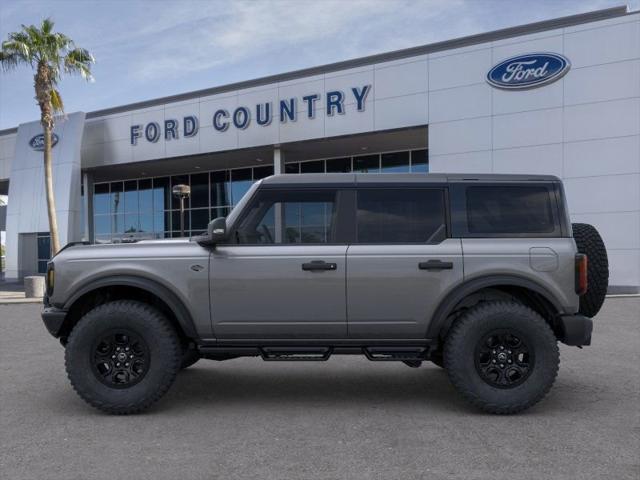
(49,54)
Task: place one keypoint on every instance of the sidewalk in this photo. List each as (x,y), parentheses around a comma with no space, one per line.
(14,293)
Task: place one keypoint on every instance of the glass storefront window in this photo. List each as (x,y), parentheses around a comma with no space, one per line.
(117,206)
(200,190)
(397,162)
(262,172)
(317,166)
(161,194)
(366,164)
(292,168)
(145,195)
(199,219)
(146,222)
(117,223)
(339,165)
(145,208)
(131,223)
(175,221)
(220,189)
(101,198)
(219,212)
(161,222)
(44,251)
(102,224)
(420,161)
(131,203)
(241,180)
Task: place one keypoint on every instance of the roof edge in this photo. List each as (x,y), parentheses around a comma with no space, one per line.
(469,40)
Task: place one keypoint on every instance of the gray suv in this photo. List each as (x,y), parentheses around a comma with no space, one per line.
(480,274)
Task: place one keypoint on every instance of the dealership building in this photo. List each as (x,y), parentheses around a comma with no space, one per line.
(558,97)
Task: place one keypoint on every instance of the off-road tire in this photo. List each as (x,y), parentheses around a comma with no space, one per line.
(160,338)
(460,356)
(189,356)
(589,242)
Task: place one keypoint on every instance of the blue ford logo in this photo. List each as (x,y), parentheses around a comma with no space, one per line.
(528,71)
(37,142)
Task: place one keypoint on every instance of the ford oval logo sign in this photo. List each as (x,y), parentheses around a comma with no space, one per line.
(37,142)
(528,71)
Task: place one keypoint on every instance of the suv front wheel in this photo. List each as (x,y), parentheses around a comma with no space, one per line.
(122,356)
(502,357)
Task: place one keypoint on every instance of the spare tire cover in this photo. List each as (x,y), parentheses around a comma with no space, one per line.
(589,242)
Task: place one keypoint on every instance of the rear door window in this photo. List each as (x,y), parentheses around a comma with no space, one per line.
(407,215)
(496,210)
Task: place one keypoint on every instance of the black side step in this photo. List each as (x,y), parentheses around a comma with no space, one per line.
(280,354)
(395,354)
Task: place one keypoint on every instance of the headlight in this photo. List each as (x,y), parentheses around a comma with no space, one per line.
(51,276)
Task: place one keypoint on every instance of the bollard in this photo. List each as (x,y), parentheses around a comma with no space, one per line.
(34,287)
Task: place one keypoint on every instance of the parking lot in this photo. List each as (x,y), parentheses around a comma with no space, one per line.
(345,418)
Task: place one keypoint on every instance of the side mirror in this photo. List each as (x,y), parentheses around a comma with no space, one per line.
(216,232)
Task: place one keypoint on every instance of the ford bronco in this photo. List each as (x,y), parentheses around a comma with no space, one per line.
(482,275)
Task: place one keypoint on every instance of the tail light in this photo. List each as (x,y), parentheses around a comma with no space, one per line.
(581,274)
(50,279)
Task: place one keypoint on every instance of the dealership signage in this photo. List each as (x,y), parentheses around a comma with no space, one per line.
(528,71)
(262,114)
(37,142)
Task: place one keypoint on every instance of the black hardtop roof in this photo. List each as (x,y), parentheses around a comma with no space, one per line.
(324,179)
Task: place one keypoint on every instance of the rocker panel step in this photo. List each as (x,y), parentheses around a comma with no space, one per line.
(295,354)
(395,354)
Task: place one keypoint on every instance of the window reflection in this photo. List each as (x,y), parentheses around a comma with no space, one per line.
(420,161)
(397,162)
(366,164)
(241,180)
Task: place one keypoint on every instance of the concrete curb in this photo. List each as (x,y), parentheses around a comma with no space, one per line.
(13,301)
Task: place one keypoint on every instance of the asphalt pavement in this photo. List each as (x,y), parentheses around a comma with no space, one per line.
(347,418)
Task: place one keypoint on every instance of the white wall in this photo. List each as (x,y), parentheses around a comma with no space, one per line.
(584,128)
(7,150)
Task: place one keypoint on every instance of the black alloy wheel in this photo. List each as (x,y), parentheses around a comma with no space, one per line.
(503,359)
(120,358)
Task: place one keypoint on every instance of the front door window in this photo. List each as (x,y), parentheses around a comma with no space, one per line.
(289,217)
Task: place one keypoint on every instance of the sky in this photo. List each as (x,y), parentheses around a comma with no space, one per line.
(150,49)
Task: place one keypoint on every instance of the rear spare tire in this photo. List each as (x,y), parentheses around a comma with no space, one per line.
(589,242)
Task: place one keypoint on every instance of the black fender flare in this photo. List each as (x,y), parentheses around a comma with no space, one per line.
(153,287)
(459,293)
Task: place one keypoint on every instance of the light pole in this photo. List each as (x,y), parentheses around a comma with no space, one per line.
(182,192)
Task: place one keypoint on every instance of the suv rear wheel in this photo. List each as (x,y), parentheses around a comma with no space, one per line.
(502,357)
(122,356)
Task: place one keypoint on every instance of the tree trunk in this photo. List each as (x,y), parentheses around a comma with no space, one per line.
(43,86)
(51,201)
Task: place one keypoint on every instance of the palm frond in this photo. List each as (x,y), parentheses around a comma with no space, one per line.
(9,61)
(18,47)
(47,26)
(79,61)
(56,101)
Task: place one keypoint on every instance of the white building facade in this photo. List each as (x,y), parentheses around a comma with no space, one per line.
(559,97)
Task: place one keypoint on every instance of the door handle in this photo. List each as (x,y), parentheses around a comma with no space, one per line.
(318,265)
(435,265)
